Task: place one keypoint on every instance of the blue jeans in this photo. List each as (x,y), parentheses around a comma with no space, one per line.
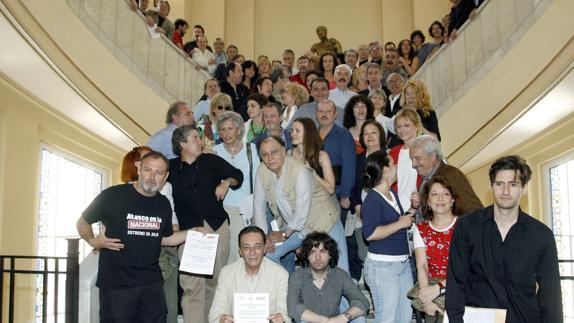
(337,233)
(390,281)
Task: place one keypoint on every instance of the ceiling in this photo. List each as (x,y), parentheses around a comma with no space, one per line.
(556,104)
(22,64)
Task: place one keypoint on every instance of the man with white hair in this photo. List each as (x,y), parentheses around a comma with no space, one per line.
(341,94)
(428,160)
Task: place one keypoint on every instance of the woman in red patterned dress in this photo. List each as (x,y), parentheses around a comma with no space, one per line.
(432,242)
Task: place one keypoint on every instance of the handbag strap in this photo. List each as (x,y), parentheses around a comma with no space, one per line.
(250,159)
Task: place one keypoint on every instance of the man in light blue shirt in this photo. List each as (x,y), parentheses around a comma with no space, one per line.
(179,114)
(210,88)
(319,91)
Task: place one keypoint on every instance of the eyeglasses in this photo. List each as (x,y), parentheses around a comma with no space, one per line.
(256,247)
(224,108)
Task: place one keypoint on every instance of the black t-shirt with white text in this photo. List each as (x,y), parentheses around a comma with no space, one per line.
(140,222)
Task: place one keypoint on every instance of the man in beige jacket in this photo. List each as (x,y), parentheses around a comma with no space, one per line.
(298,203)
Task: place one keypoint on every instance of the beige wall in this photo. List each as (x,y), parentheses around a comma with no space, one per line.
(269,26)
(26,125)
(553,144)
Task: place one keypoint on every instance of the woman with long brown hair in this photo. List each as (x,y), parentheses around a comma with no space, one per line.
(327,65)
(431,241)
(309,149)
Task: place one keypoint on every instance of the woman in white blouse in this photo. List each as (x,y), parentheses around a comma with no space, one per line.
(293,96)
(201,56)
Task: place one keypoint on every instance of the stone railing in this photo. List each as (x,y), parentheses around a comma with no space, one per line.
(160,64)
(481,43)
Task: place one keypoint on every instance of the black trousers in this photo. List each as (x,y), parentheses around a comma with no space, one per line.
(144,303)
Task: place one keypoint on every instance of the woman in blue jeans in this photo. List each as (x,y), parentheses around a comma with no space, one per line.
(387,268)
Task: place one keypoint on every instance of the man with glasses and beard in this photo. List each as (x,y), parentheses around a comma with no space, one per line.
(136,222)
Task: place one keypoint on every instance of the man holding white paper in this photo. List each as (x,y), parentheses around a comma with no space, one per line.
(137,222)
(502,258)
(200,182)
(253,288)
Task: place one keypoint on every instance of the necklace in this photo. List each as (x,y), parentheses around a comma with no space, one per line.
(255,134)
(318,282)
(234,150)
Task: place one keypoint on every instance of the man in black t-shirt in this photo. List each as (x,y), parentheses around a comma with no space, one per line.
(138,222)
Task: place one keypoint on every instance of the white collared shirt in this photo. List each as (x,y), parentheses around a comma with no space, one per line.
(341,97)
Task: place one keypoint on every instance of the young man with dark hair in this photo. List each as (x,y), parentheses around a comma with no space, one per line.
(180,29)
(315,289)
(501,257)
(233,87)
(198,32)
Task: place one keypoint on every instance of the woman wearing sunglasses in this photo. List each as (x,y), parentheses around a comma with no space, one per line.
(220,103)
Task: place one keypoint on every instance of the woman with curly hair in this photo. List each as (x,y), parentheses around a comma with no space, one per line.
(358,110)
(437,33)
(309,150)
(416,96)
(408,57)
(431,241)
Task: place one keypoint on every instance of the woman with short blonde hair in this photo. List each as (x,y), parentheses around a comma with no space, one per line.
(293,96)
(219,104)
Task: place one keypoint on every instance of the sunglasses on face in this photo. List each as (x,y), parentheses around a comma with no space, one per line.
(224,108)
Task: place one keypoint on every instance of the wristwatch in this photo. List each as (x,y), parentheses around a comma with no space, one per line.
(442,288)
(348,316)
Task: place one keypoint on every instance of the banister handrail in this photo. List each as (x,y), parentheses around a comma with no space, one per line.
(173,76)
(481,41)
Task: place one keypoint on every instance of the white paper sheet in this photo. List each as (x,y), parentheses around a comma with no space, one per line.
(482,315)
(199,253)
(246,209)
(250,307)
(275,227)
(154,34)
